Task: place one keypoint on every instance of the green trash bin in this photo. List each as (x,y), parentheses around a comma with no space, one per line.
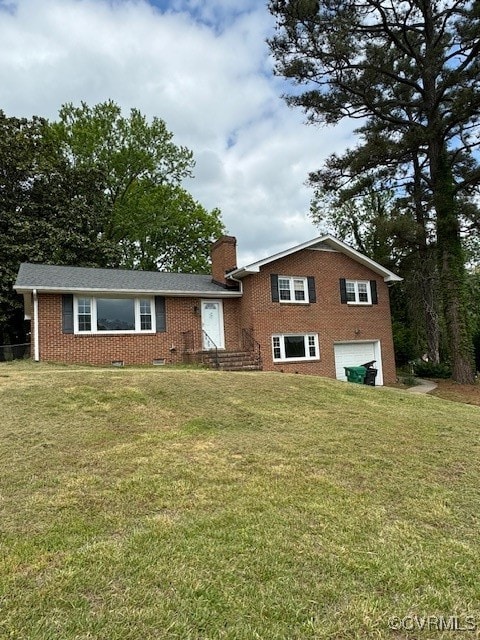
(355,374)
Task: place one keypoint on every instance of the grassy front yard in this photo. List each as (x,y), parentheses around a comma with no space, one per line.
(155,503)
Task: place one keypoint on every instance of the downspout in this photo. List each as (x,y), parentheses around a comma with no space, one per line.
(36,350)
(236,280)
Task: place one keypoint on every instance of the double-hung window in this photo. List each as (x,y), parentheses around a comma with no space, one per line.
(84,314)
(358,291)
(113,315)
(292,289)
(145,305)
(295,347)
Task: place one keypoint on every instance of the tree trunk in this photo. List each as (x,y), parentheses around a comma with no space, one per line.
(452,272)
(426,270)
(429,291)
(451,261)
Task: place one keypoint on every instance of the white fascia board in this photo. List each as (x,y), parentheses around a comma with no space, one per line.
(254,267)
(336,244)
(136,292)
(388,275)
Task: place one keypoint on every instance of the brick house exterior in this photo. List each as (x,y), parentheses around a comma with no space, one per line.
(313,309)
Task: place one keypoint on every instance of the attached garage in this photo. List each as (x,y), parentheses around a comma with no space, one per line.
(356,353)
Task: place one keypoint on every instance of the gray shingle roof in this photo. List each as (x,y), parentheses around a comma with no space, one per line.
(62,279)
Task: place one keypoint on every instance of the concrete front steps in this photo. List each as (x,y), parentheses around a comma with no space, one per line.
(231,360)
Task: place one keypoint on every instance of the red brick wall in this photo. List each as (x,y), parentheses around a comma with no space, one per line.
(232,323)
(223,254)
(182,314)
(332,320)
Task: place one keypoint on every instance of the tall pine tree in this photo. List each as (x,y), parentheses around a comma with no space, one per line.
(410,72)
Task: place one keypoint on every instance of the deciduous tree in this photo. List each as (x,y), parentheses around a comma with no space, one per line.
(162,227)
(154,221)
(95,189)
(50,212)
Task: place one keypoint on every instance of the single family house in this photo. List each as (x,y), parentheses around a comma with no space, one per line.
(314,308)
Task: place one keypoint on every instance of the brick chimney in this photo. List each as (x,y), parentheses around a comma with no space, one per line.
(223,253)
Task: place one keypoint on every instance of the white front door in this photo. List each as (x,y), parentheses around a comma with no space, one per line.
(212,324)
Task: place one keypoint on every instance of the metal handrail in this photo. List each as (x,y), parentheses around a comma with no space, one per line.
(217,359)
(250,344)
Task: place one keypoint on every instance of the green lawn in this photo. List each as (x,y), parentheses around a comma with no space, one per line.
(141,504)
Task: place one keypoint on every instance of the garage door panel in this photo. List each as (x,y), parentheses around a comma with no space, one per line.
(354,354)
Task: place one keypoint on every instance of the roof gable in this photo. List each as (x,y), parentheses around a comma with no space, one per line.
(322,243)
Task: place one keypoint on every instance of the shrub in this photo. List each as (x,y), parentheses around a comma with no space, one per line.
(432,370)
(409,380)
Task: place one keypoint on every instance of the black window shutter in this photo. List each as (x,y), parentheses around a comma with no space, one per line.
(312,296)
(274,282)
(67,313)
(160,321)
(373,291)
(343,291)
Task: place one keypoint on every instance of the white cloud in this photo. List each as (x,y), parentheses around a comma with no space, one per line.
(202,66)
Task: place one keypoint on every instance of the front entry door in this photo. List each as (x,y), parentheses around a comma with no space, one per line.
(212,324)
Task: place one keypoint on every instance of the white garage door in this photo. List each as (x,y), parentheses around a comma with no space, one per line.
(354,354)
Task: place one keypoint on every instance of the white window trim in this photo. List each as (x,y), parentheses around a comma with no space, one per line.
(305,336)
(93,316)
(291,280)
(357,300)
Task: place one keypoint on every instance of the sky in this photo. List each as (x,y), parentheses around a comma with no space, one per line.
(203,66)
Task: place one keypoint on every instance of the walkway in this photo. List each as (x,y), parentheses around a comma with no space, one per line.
(422,386)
